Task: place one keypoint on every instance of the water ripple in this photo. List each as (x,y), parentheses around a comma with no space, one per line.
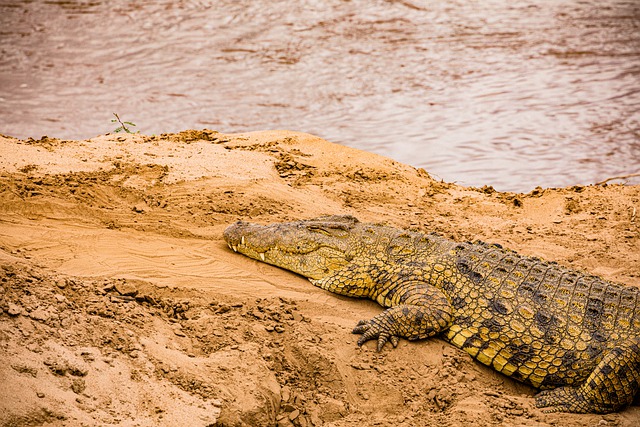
(512,94)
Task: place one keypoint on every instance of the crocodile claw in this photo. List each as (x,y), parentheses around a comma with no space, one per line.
(370,330)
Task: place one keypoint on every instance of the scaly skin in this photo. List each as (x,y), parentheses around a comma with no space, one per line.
(570,334)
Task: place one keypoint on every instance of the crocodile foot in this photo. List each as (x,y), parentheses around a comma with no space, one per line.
(611,386)
(562,399)
(371,329)
(408,321)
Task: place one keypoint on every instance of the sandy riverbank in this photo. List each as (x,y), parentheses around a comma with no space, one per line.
(121,304)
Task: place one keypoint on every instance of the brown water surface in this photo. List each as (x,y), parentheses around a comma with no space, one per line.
(512,94)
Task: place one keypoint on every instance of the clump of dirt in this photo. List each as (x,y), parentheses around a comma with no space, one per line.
(120,304)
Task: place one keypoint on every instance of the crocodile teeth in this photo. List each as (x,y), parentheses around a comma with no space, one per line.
(262,256)
(242,240)
(235,248)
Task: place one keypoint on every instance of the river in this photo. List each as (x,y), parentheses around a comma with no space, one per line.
(508,93)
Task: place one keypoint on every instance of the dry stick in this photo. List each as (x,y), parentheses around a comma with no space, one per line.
(617,177)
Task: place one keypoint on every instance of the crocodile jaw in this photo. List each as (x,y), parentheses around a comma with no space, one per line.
(287,245)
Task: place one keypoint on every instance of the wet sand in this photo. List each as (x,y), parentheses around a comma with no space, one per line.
(121,304)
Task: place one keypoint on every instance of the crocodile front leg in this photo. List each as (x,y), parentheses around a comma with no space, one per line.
(611,386)
(408,321)
(417,311)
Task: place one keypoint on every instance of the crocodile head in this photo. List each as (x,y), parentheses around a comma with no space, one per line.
(314,248)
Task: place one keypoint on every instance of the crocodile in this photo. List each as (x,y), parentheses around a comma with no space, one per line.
(572,335)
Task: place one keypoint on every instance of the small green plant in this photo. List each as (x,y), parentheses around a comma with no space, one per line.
(123,125)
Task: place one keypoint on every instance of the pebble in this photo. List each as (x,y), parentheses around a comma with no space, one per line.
(126,289)
(33,347)
(361,366)
(139,208)
(121,298)
(78,385)
(14,310)
(285,393)
(40,314)
(287,407)
(284,422)
(294,414)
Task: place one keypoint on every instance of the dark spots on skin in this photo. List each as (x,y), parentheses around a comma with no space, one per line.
(404,297)
(391,292)
(595,307)
(623,371)
(405,311)
(549,324)
(464,268)
(448,286)
(569,358)
(476,341)
(593,315)
(543,319)
(492,325)
(511,260)
(517,375)
(606,369)
(475,277)
(628,298)
(415,265)
(464,321)
(501,269)
(418,318)
(458,302)
(540,298)
(553,381)
(527,289)
(599,336)
(593,350)
(617,351)
(552,336)
(520,354)
(499,306)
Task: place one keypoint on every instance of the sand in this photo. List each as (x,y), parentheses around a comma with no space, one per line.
(120,304)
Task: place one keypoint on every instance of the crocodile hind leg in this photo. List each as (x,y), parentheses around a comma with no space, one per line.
(611,386)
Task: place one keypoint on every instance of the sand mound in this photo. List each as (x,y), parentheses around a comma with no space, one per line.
(121,304)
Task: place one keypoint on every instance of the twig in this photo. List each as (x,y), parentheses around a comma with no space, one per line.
(617,177)
(123,125)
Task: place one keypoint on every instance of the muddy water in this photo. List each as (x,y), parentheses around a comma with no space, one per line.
(509,93)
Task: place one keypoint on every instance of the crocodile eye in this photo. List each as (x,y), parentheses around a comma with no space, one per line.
(318,229)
